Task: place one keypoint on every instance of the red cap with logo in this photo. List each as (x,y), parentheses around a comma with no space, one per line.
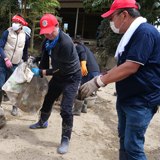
(117,4)
(47,23)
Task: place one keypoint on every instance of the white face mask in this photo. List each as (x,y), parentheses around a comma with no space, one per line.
(112,25)
(114,29)
(15,26)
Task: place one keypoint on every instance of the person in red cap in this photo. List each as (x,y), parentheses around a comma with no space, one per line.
(13,46)
(66,72)
(136,75)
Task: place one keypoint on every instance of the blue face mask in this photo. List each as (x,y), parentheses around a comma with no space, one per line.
(51,44)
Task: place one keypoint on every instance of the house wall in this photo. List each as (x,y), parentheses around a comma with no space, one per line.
(87,22)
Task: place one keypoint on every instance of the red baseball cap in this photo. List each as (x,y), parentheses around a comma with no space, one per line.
(19,19)
(47,23)
(117,4)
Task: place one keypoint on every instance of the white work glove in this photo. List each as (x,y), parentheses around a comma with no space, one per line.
(91,86)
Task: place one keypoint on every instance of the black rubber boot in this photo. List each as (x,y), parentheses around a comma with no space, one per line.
(42,123)
(1,93)
(14,111)
(123,155)
(66,135)
(77,107)
(5,97)
(84,107)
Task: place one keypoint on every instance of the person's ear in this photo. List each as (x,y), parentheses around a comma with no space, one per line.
(125,15)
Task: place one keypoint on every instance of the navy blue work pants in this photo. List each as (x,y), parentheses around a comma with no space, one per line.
(5,72)
(68,87)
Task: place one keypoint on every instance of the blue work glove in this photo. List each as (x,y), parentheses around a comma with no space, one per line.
(36,71)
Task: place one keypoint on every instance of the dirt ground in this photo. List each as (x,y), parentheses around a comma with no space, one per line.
(94,135)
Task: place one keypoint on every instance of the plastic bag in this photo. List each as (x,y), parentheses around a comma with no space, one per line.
(24,90)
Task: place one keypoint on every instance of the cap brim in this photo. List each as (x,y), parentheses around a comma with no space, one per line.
(107,14)
(47,30)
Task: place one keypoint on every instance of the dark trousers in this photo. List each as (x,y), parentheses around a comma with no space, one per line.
(68,87)
(5,72)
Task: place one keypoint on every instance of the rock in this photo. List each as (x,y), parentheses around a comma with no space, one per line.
(2,118)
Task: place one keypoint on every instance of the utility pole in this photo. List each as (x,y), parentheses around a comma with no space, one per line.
(75,32)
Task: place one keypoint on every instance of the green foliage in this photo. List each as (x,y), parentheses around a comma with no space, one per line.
(44,6)
(5,4)
(149,9)
(4,25)
(33,15)
(6,7)
(33,52)
(96,5)
(109,39)
(37,9)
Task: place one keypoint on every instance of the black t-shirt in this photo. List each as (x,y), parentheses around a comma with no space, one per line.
(86,55)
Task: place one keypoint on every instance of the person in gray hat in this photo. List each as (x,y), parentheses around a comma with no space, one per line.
(27,30)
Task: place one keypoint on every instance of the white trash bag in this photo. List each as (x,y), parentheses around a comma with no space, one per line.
(24,90)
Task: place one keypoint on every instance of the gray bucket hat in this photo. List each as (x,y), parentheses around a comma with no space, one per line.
(27,30)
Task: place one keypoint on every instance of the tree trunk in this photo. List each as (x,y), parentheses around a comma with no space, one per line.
(21,6)
(25,8)
(32,34)
(9,15)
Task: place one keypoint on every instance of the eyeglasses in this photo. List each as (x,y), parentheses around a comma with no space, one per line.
(111,17)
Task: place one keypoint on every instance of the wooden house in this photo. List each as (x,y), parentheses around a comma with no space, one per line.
(79,24)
